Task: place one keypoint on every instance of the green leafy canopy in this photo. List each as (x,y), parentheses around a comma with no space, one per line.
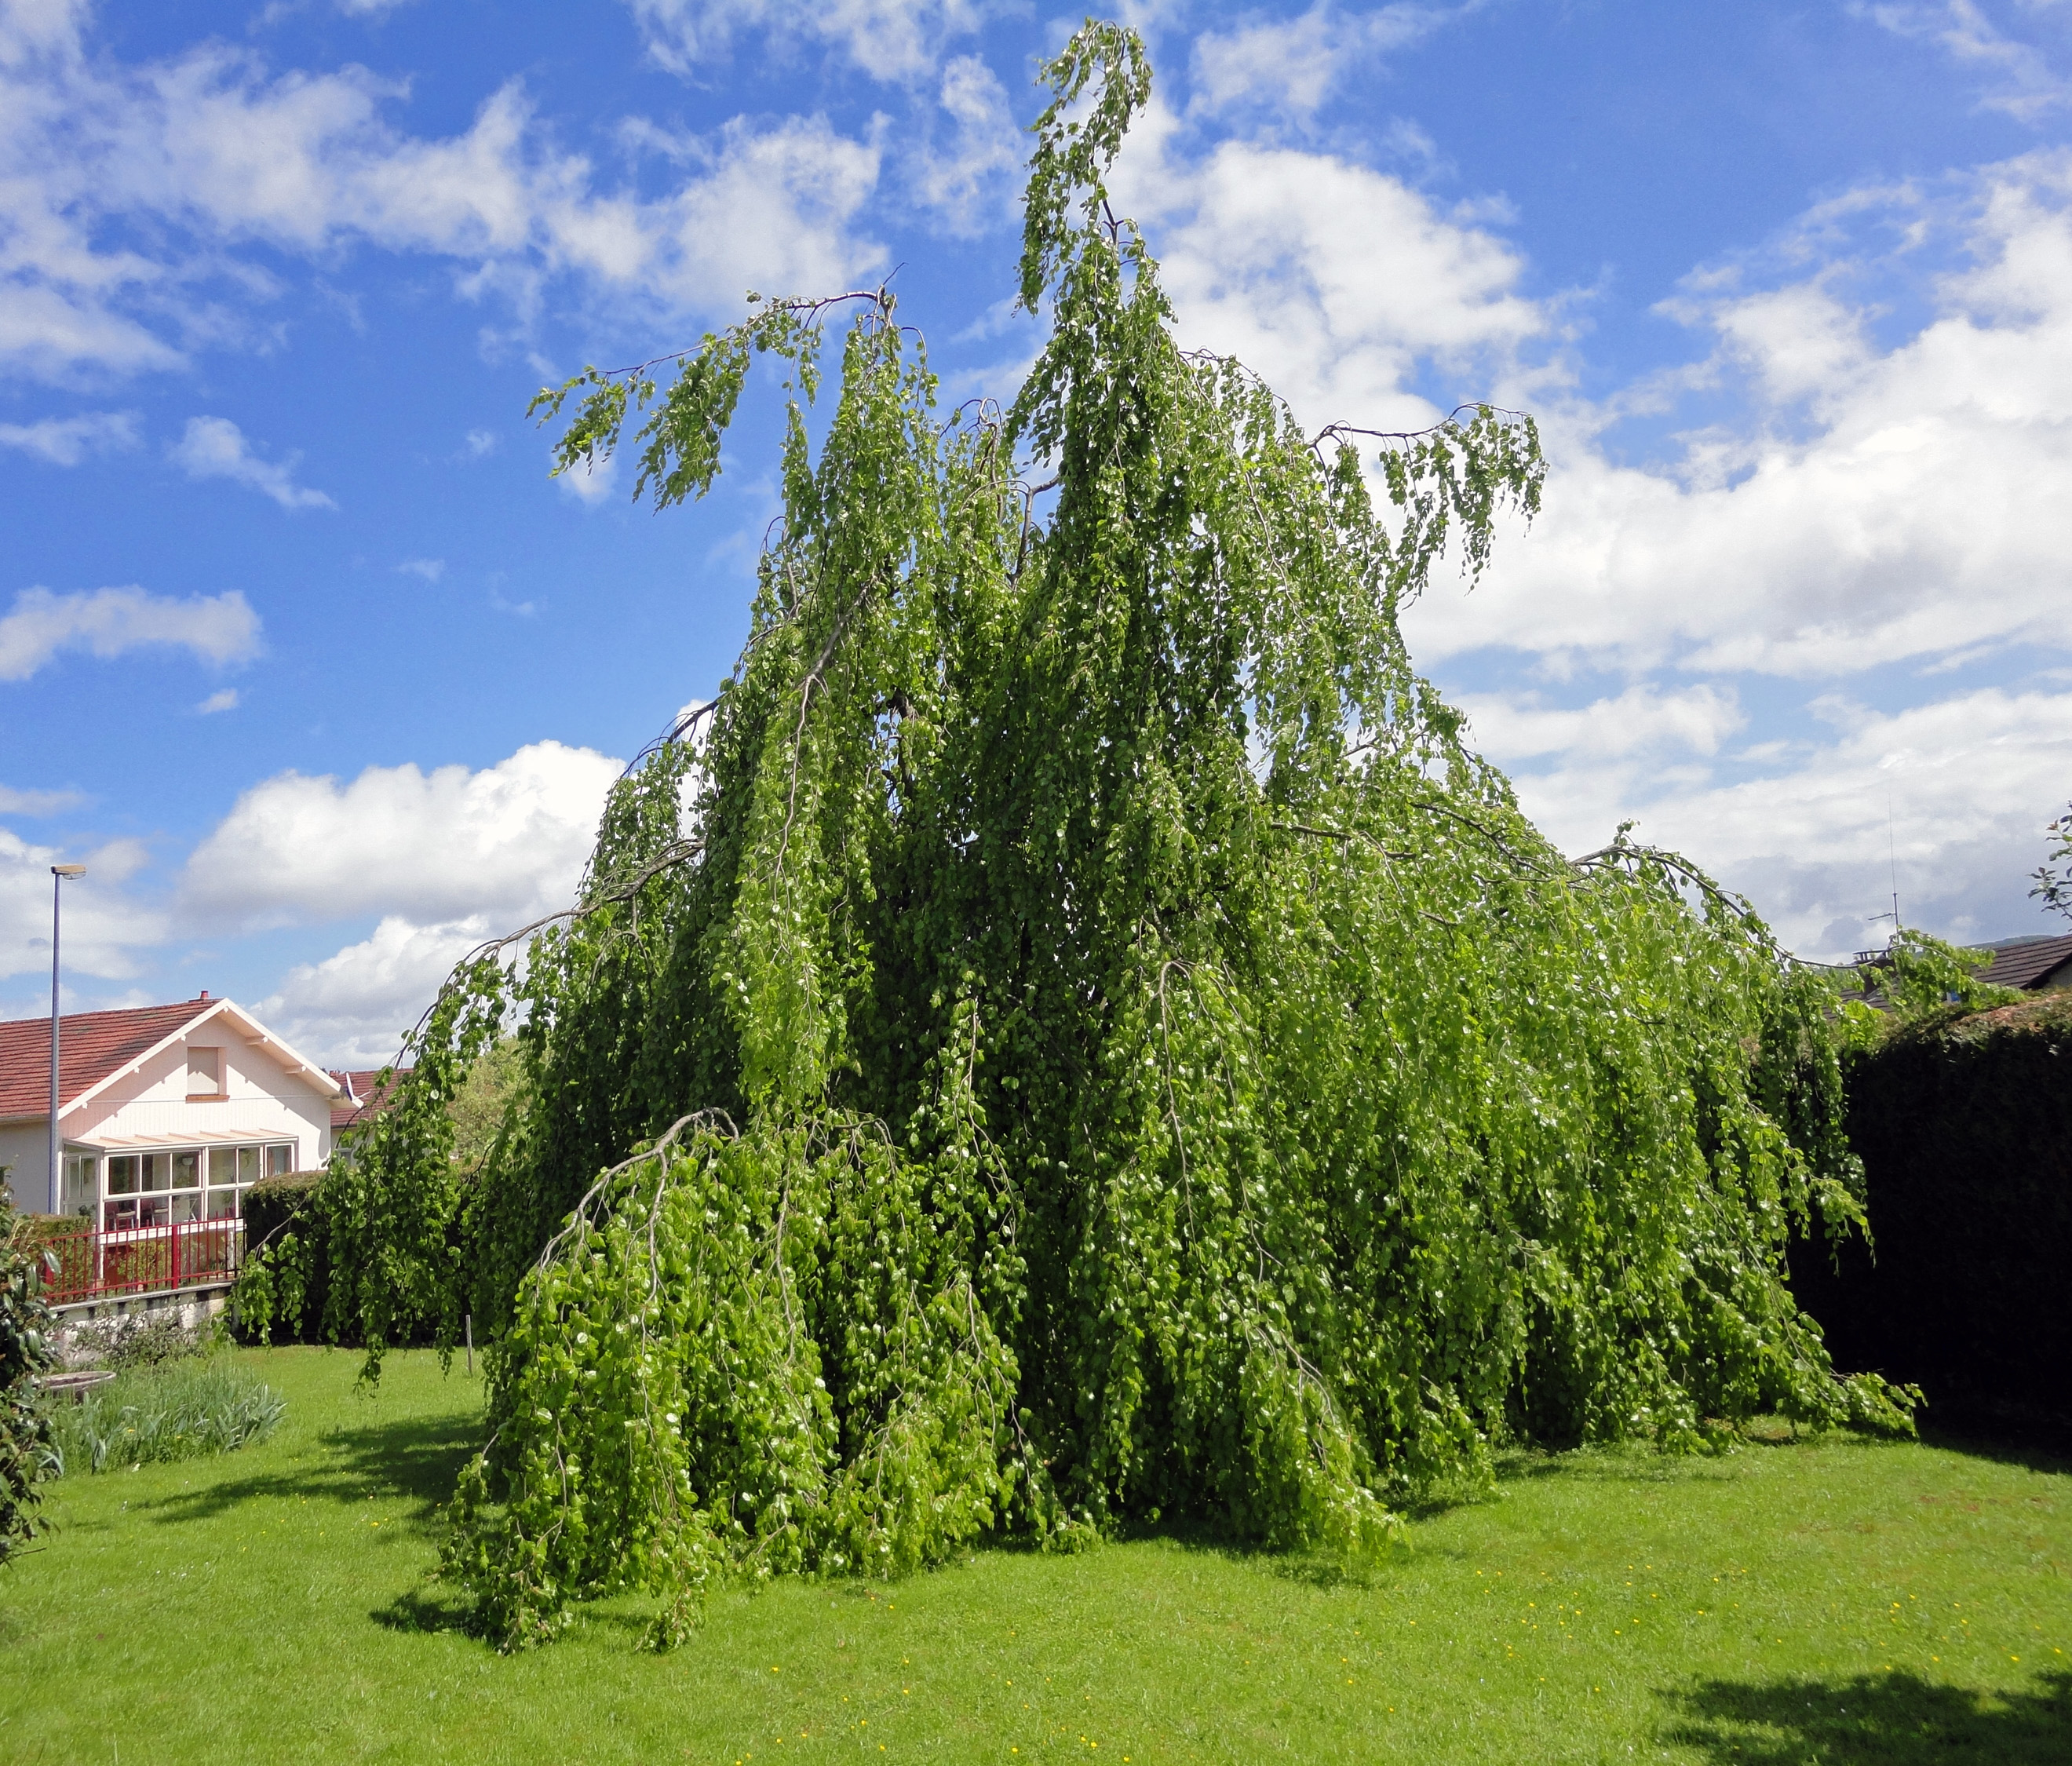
(1071,1036)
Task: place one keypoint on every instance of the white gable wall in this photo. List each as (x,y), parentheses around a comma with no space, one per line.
(261,1100)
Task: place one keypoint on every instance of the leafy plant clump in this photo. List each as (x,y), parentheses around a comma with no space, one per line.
(2054,880)
(1071,1034)
(26,1349)
(178,1409)
(140,1340)
(1918,976)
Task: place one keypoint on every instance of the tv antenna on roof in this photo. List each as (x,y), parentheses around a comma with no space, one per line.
(1891,857)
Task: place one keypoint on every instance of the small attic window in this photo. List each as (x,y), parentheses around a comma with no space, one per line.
(204,1072)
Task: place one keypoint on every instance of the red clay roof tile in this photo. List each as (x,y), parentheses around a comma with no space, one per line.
(91,1046)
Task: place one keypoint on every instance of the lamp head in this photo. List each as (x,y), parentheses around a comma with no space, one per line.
(67,870)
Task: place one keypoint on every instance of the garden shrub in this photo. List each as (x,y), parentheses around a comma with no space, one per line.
(26,1349)
(1964,1122)
(285,1283)
(139,1340)
(184,1409)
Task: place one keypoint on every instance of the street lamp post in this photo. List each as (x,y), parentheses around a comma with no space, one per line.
(59,873)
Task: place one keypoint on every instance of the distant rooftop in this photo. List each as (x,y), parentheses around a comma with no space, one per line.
(2034,962)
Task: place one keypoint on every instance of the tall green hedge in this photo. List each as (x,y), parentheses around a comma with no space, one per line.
(26,1350)
(281,1296)
(1964,1126)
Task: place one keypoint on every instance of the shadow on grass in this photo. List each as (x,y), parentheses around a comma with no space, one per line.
(431,1608)
(1874,1720)
(2033,1449)
(417,1611)
(418,1458)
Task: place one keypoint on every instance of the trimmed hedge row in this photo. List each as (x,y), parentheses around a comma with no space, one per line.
(1964,1126)
(273,1207)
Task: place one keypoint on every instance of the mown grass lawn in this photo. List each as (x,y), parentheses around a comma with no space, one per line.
(1839,1601)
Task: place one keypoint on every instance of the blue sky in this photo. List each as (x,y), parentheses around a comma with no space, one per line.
(303,653)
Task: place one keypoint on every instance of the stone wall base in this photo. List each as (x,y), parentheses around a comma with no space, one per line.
(193,1307)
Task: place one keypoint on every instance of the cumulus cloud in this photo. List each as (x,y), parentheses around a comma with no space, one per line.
(106,931)
(590,482)
(888,40)
(967,174)
(224,699)
(1339,283)
(354,1008)
(506,842)
(1951,795)
(447,859)
(1642,720)
(66,441)
(215,447)
(771,210)
(218,628)
(1873,507)
(125,187)
(1293,65)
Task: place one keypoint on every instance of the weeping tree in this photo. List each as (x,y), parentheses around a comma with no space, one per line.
(1070,1035)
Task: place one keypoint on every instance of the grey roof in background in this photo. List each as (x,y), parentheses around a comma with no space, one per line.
(2026,962)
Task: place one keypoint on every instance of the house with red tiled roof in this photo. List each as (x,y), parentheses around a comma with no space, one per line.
(169,1114)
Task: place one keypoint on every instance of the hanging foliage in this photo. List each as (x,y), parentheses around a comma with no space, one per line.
(1071,1035)
(27,1348)
(2053,881)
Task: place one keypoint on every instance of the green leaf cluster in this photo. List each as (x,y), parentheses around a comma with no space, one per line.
(27,1348)
(1071,1036)
(2053,879)
(1919,976)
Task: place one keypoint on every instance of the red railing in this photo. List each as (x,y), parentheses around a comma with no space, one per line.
(94,1266)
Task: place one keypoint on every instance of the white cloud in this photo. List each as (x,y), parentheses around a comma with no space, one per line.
(1873,507)
(125,187)
(1872,503)
(479,442)
(888,40)
(2018,77)
(66,441)
(35,803)
(223,699)
(354,1008)
(431,570)
(1954,794)
(1643,719)
(219,628)
(215,447)
(1293,65)
(105,931)
(772,212)
(1337,282)
(590,483)
(508,841)
(973,182)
